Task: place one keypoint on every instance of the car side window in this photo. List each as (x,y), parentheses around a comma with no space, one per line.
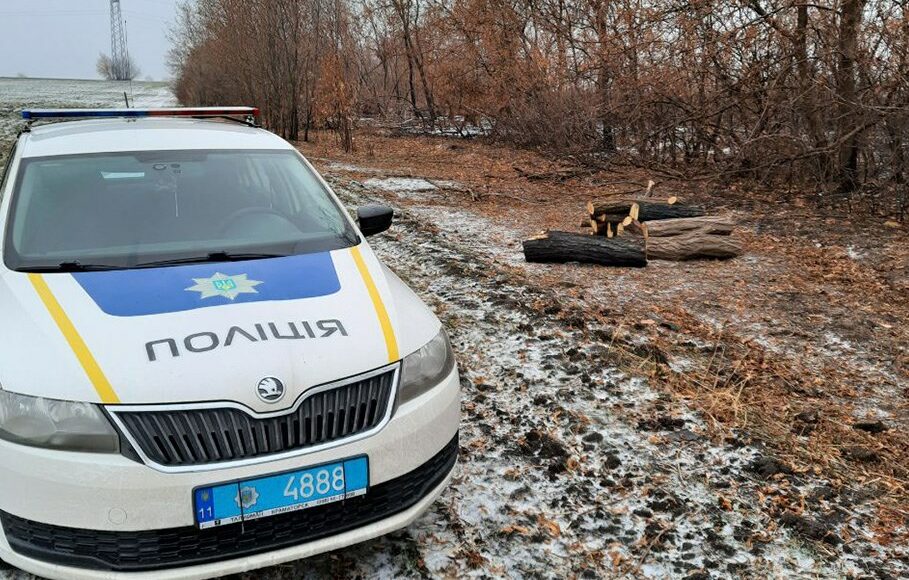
(6,169)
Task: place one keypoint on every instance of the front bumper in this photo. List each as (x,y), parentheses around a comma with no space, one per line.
(70,515)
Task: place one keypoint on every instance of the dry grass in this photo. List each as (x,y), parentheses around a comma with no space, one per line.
(755,332)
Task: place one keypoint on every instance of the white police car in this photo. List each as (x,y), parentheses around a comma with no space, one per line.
(204,369)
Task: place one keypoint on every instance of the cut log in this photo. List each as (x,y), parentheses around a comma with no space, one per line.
(598,228)
(708,224)
(691,246)
(636,228)
(648,210)
(603,226)
(568,247)
(609,219)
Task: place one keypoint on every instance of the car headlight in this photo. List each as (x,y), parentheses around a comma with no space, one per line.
(56,424)
(425,368)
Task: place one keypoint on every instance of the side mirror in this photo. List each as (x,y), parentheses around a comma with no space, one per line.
(374,218)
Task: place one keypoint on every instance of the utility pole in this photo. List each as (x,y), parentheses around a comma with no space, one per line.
(119,56)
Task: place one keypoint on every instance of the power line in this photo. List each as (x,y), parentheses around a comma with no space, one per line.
(119,55)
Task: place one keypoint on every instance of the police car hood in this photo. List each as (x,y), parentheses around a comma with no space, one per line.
(206,332)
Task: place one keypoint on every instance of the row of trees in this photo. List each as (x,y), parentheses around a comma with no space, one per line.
(767,89)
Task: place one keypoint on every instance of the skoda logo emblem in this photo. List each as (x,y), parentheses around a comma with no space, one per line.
(270,389)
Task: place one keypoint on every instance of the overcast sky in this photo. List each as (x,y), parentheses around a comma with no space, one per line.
(62,38)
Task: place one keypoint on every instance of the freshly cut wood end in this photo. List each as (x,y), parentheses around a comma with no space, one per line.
(627,221)
(609,233)
(672,199)
(590,207)
(635,228)
(635,211)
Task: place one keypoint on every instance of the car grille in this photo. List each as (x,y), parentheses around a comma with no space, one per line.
(178,547)
(191,437)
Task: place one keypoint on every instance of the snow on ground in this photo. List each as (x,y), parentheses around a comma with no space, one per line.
(568,467)
(339,166)
(400,184)
(413,188)
(22,93)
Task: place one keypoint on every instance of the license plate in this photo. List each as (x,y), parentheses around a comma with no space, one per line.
(241,501)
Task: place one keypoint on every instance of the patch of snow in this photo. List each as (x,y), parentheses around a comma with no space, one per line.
(854,254)
(837,343)
(500,245)
(681,365)
(339,166)
(399,184)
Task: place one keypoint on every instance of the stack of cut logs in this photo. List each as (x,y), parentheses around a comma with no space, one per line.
(629,231)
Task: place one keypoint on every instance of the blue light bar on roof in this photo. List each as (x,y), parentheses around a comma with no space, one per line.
(31,114)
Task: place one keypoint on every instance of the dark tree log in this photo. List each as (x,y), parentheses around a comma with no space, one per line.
(692,246)
(710,224)
(618,209)
(568,247)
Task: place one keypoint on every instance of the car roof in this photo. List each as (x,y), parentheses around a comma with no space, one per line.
(144,134)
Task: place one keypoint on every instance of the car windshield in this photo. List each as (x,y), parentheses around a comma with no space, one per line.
(123,210)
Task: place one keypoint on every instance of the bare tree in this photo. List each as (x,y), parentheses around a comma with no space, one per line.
(781,91)
(117,70)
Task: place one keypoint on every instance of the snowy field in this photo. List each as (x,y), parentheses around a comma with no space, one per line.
(18,93)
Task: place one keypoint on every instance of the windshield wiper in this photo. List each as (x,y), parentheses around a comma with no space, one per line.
(74,266)
(211,257)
